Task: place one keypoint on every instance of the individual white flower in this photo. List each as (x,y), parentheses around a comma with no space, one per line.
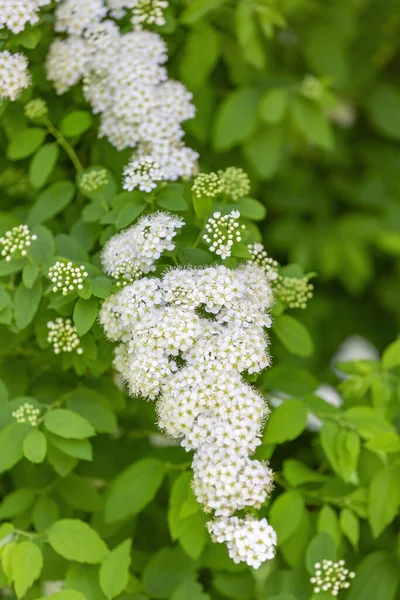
(222,232)
(16,241)
(63,336)
(66,277)
(14,75)
(331,577)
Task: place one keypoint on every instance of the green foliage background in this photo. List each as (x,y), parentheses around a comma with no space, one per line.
(96,503)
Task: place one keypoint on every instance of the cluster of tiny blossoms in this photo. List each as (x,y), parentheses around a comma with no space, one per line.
(260,257)
(184,340)
(66,277)
(16,241)
(27,413)
(63,336)
(331,577)
(93,180)
(14,75)
(134,251)
(36,109)
(139,107)
(15,15)
(223,231)
(207,185)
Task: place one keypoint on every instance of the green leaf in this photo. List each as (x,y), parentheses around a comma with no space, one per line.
(51,201)
(190,590)
(166,569)
(286,422)
(42,250)
(94,407)
(29,275)
(384,499)
(79,493)
(265,150)
(248,35)
(27,564)
(350,526)
(65,595)
(236,119)
(45,512)
(286,514)
(368,421)
(321,546)
(11,440)
(75,540)
(251,209)
(76,123)
(383,107)
(200,56)
(202,206)
(312,123)
(85,313)
(35,446)
(195,257)
(67,424)
(129,214)
(25,143)
(114,571)
(273,105)
(377,578)
(26,303)
(289,379)
(384,442)
(42,165)
(391,356)
(197,9)
(293,335)
(75,448)
(240,250)
(297,473)
(172,198)
(133,489)
(179,494)
(16,503)
(328,523)
(235,586)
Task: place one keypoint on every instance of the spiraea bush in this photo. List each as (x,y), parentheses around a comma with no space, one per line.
(185,411)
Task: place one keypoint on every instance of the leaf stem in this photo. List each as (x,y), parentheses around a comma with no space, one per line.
(65,145)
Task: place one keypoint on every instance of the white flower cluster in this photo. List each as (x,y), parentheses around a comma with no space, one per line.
(16,241)
(15,15)
(331,577)
(63,336)
(186,338)
(27,413)
(134,251)
(260,257)
(139,107)
(223,231)
(249,540)
(14,75)
(66,277)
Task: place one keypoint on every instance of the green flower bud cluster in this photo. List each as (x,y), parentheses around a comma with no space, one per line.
(311,87)
(27,413)
(331,577)
(36,109)
(235,183)
(294,292)
(93,180)
(16,241)
(63,336)
(207,185)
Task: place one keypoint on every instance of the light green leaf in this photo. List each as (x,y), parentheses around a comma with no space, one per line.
(384,499)
(328,522)
(26,303)
(75,540)
(286,514)
(350,525)
(114,571)
(11,440)
(65,595)
(377,578)
(199,56)
(94,407)
(25,143)
(236,119)
(190,590)
(76,123)
(289,379)
(85,313)
(312,123)
(35,446)
(293,335)
(26,566)
(42,165)
(165,571)
(391,356)
(286,422)
(265,150)
(67,424)
(29,275)
(133,489)
(251,209)
(199,8)
(273,105)
(45,512)
(368,421)
(321,546)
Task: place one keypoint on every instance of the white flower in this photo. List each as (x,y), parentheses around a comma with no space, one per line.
(26,413)
(66,63)
(14,75)
(223,231)
(74,16)
(142,173)
(16,14)
(331,577)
